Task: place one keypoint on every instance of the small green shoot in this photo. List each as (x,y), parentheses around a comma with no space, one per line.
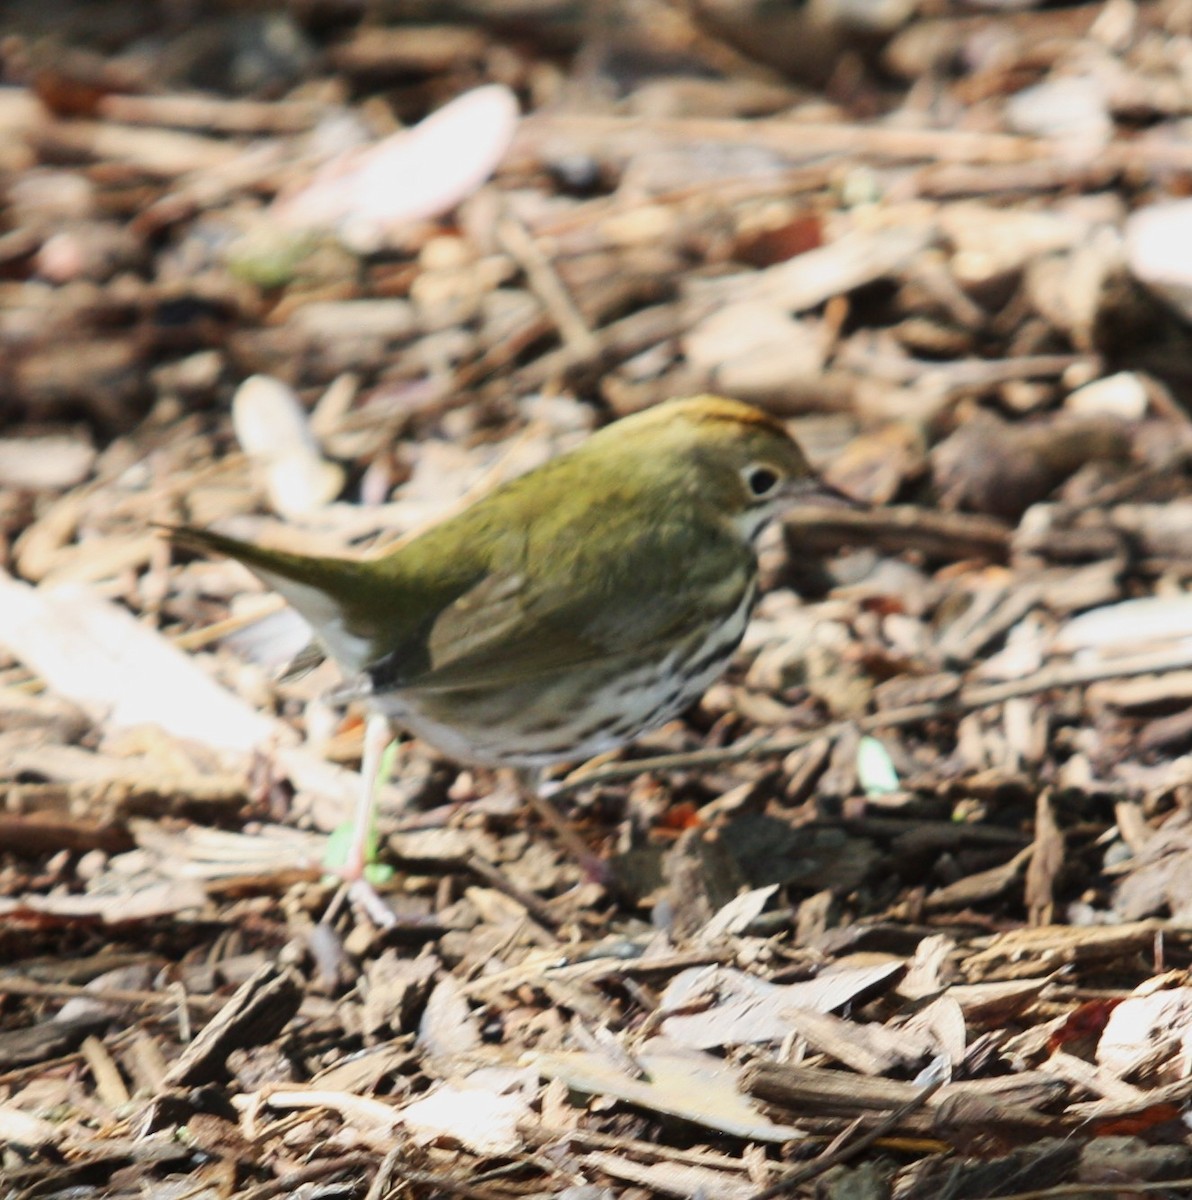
(341,838)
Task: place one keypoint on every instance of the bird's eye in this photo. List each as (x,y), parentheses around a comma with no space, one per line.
(761,481)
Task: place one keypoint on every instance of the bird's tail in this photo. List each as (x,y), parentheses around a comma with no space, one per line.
(336,595)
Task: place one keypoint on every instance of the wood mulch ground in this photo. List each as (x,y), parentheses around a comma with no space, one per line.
(904,907)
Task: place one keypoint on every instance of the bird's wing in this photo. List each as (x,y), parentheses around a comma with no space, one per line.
(549,608)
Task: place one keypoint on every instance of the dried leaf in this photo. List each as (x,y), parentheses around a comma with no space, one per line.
(679,1082)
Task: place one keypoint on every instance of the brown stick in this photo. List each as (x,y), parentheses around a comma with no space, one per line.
(842,1154)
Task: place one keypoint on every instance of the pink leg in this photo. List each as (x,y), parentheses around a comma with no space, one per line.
(538,791)
(377,733)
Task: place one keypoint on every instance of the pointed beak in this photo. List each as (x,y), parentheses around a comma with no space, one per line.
(815,492)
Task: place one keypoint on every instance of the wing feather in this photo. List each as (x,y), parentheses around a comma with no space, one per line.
(554,607)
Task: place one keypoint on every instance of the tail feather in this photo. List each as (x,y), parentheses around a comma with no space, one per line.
(336,595)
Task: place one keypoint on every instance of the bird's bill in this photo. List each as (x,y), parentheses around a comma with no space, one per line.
(815,492)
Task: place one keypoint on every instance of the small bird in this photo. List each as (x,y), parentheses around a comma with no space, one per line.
(568,611)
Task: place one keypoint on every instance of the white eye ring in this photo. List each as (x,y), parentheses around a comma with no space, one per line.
(761,480)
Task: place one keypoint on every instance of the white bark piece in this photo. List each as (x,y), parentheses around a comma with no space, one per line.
(483,1121)
(98,655)
(1121,395)
(413,175)
(1159,251)
(274,430)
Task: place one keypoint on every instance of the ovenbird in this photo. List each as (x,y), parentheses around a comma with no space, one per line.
(569,610)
